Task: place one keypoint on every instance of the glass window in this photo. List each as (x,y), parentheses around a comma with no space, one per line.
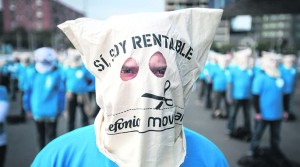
(273,25)
(39,14)
(257,19)
(285,17)
(280,25)
(274,17)
(272,34)
(13,24)
(12,7)
(265,18)
(265,34)
(38,3)
(39,25)
(280,33)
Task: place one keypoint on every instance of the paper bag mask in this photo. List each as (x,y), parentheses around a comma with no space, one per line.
(145,66)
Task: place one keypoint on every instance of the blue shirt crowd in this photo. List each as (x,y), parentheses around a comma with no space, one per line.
(49,88)
(246,82)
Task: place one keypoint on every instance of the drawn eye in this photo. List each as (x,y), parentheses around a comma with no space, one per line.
(158,64)
(129,70)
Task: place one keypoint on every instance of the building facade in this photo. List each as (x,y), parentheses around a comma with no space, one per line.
(282,30)
(35,15)
(222,34)
(274,27)
(218,3)
(171,5)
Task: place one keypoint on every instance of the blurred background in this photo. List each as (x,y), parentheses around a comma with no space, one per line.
(262,25)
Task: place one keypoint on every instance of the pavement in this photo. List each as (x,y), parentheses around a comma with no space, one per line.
(22,142)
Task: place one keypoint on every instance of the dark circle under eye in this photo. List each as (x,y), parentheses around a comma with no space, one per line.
(129,69)
(158,64)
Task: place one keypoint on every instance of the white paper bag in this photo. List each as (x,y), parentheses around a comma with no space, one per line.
(145,66)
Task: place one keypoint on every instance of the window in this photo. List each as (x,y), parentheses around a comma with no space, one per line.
(39,25)
(12,7)
(265,18)
(38,3)
(39,14)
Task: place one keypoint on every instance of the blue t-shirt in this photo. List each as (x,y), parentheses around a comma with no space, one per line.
(257,70)
(3,93)
(13,69)
(241,80)
(78,148)
(289,77)
(44,94)
(208,70)
(92,85)
(270,92)
(77,80)
(22,75)
(205,71)
(220,78)
(202,74)
(4,69)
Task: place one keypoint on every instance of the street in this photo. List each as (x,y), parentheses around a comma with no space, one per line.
(22,142)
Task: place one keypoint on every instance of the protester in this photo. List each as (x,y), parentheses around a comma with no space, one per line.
(267,93)
(23,68)
(202,83)
(4,73)
(288,72)
(4,107)
(142,85)
(221,78)
(77,81)
(241,82)
(13,70)
(44,94)
(206,73)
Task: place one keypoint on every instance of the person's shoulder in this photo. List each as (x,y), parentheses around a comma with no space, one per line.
(76,148)
(202,152)
(194,138)
(71,139)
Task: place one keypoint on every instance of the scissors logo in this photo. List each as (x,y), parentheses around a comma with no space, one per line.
(169,102)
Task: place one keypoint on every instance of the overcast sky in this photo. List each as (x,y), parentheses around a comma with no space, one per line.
(102,9)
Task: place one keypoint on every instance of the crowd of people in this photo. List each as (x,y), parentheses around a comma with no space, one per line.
(243,81)
(48,84)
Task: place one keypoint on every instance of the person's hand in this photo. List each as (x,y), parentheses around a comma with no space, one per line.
(285,115)
(258,116)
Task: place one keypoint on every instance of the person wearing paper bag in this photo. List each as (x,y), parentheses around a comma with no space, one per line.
(4,107)
(77,82)
(289,74)
(145,66)
(268,89)
(241,82)
(44,94)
